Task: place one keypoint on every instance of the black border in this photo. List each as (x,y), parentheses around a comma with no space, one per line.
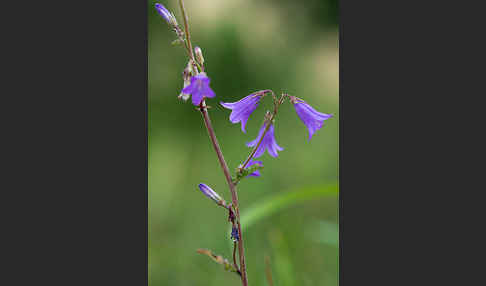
(76,154)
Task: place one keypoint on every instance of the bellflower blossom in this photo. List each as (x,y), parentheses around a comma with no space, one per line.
(199,88)
(208,192)
(243,108)
(166,14)
(268,142)
(311,118)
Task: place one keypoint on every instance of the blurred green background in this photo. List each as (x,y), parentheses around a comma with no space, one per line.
(248,45)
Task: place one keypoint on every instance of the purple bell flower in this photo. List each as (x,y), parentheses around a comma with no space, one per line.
(208,192)
(199,88)
(311,117)
(243,108)
(268,142)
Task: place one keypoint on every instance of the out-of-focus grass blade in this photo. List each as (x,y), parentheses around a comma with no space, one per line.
(324,232)
(284,268)
(281,201)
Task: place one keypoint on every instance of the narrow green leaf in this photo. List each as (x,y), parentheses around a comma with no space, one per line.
(276,203)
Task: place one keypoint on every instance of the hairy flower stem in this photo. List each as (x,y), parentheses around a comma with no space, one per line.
(187,42)
(275,109)
(234,258)
(232,187)
(186,29)
(214,141)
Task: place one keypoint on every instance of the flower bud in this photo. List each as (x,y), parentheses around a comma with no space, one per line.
(186,76)
(199,56)
(208,192)
(166,14)
(234,234)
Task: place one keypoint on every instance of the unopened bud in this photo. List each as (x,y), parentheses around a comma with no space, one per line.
(186,76)
(234,234)
(188,71)
(208,192)
(166,14)
(199,56)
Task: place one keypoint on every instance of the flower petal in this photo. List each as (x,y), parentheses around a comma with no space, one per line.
(257,172)
(208,92)
(197,98)
(228,105)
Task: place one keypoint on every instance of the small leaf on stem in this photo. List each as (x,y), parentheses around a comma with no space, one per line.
(219,259)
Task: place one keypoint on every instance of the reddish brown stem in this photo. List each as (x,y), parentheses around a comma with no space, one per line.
(214,141)
(232,187)
(234,258)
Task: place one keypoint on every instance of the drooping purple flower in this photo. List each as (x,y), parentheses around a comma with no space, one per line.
(257,172)
(208,192)
(166,14)
(243,108)
(268,142)
(199,88)
(311,117)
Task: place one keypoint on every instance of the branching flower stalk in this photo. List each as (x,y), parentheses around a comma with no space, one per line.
(197,86)
(269,123)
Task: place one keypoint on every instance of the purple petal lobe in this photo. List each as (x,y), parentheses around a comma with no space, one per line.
(251,163)
(255,174)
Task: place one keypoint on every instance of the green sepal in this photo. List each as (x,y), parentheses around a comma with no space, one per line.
(242,173)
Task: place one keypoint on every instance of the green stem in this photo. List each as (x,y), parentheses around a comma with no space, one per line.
(232,187)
